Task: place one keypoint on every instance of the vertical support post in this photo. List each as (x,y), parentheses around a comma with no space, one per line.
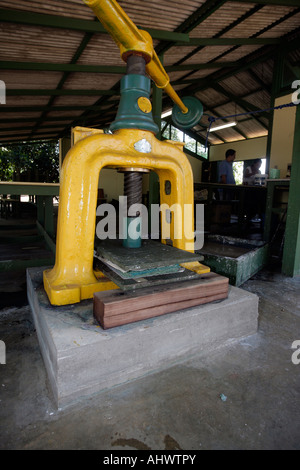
(276,87)
(291,251)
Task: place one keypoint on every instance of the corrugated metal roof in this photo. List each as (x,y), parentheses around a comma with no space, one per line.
(67,8)
(221,19)
(225,56)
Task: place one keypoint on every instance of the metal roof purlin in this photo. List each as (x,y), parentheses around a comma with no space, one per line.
(283,3)
(76,24)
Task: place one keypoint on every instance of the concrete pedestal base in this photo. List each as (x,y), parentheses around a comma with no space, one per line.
(82,359)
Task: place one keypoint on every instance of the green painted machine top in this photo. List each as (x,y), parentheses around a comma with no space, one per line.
(130,115)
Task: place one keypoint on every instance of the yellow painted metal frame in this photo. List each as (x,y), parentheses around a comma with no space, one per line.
(72,278)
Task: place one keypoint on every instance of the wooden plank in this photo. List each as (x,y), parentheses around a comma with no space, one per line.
(119,308)
(143,314)
(120,301)
(155,300)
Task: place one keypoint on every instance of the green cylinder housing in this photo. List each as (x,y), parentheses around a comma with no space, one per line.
(132,237)
(135,111)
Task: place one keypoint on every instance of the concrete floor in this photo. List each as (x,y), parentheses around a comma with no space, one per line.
(175,409)
(178,408)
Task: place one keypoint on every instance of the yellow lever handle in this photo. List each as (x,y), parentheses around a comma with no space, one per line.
(130,39)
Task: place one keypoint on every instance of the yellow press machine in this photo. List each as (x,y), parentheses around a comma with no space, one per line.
(131,146)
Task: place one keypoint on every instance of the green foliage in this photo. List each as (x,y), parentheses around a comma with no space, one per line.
(36,161)
(238,169)
(172,133)
(6,165)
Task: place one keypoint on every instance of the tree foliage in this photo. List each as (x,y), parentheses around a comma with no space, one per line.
(171,132)
(36,161)
(238,169)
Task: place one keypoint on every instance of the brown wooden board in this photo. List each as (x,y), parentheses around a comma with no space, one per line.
(120,308)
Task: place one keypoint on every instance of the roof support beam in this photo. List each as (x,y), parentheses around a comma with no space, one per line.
(86,26)
(25,134)
(51,67)
(26,119)
(11,142)
(209,65)
(284,3)
(228,41)
(29,128)
(32,109)
(43,92)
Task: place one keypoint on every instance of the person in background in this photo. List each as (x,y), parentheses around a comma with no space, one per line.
(226,175)
(251,171)
(225,169)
